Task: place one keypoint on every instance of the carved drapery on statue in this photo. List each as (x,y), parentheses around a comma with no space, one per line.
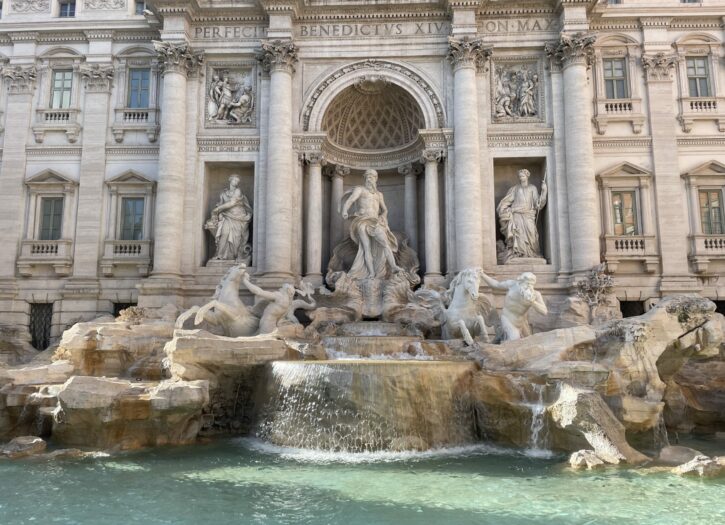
(518,214)
(229,224)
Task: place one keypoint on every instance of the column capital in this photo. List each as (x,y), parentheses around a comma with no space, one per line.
(468,52)
(432,155)
(659,67)
(314,158)
(278,55)
(21,78)
(178,57)
(406,170)
(577,48)
(339,172)
(98,78)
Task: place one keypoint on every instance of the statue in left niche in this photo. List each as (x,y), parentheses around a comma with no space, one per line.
(229,224)
(230,99)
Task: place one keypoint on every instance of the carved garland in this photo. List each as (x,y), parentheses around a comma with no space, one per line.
(374,65)
(104,4)
(31,6)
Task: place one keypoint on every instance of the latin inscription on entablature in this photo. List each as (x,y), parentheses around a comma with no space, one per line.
(519,25)
(234,32)
(372,29)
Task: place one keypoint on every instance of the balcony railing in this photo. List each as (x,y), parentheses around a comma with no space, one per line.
(126,253)
(621,248)
(618,110)
(36,253)
(702,108)
(136,119)
(704,249)
(55,119)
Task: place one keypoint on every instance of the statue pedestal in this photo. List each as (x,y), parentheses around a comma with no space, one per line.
(220,265)
(526,261)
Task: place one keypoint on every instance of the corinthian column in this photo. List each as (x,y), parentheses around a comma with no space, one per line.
(313,251)
(575,53)
(336,220)
(431,158)
(177,60)
(467,55)
(411,204)
(278,58)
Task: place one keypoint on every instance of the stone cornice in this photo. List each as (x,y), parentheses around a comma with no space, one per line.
(468,52)
(577,48)
(278,55)
(178,57)
(659,67)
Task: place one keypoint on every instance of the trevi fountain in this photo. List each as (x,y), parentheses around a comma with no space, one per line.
(370,262)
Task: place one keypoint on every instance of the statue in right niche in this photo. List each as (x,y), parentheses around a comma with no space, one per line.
(518,213)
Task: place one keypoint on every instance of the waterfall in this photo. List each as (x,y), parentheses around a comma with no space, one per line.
(368,406)
(537,441)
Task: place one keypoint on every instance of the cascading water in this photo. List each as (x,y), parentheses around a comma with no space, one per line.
(368,406)
(537,442)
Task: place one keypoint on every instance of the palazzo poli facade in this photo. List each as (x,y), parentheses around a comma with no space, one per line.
(123,124)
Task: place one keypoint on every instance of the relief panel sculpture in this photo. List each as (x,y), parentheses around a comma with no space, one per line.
(230,97)
(516,92)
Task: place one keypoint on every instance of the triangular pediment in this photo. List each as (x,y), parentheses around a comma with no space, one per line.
(626,169)
(49,176)
(711,167)
(129,177)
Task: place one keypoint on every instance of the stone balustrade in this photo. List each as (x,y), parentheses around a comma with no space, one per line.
(36,253)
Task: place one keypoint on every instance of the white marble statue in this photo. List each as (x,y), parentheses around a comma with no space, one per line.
(226,310)
(370,231)
(229,223)
(279,306)
(520,296)
(518,213)
(465,315)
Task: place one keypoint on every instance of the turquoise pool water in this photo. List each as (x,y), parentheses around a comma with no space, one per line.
(246,482)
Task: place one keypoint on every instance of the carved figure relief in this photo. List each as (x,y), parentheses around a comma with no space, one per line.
(230,97)
(516,92)
(229,224)
(31,6)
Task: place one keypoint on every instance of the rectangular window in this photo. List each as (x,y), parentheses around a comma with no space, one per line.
(140,7)
(624,210)
(132,218)
(698,77)
(62,81)
(51,218)
(711,212)
(615,78)
(138,88)
(67,8)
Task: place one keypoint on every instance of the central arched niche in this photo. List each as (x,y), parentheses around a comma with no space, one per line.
(373,115)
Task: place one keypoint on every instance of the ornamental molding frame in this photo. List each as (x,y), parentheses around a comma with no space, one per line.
(706,142)
(618,144)
(132,151)
(527,139)
(381,160)
(325,90)
(54,151)
(249,144)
